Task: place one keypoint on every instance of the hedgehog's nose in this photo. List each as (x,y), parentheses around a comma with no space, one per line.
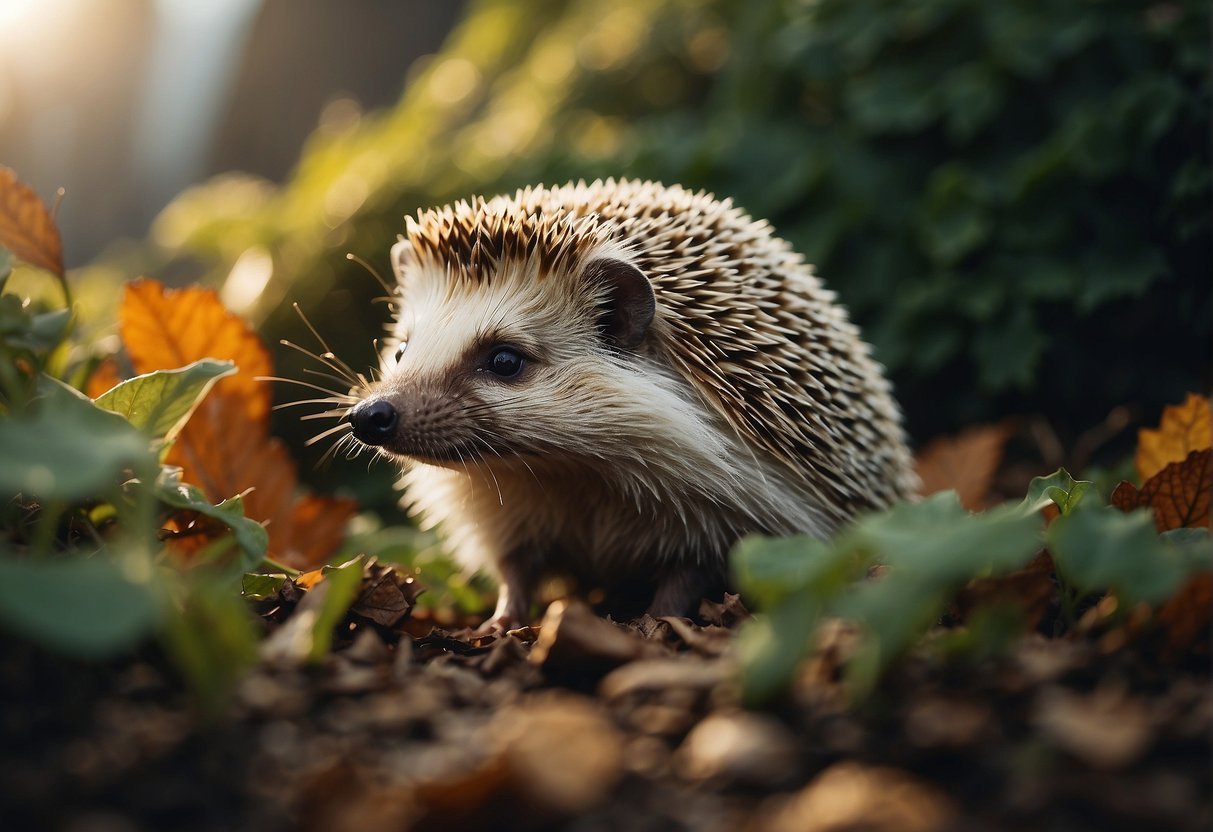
(374,422)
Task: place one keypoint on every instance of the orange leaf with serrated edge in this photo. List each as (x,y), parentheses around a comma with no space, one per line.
(1183,428)
(225,448)
(164,329)
(1178,494)
(965,462)
(26,227)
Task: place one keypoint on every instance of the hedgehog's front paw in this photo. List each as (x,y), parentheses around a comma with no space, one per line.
(512,611)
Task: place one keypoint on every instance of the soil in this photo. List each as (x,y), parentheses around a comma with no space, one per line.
(581,723)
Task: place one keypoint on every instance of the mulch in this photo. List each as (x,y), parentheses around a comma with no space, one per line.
(583,723)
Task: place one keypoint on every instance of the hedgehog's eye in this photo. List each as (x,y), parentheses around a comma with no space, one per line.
(505,362)
(404,345)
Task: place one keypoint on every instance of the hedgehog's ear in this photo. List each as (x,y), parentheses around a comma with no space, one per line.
(628,304)
(402,255)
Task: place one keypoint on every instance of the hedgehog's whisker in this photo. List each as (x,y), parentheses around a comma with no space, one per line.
(324,434)
(373,271)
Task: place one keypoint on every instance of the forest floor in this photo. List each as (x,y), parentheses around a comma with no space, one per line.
(582,723)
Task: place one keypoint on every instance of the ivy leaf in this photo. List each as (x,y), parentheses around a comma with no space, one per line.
(769,570)
(160,402)
(1099,548)
(1059,489)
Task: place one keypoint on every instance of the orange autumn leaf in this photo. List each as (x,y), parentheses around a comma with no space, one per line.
(965,462)
(163,329)
(225,449)
(1183,428)
(105,377)
(26,227)
(1178,494)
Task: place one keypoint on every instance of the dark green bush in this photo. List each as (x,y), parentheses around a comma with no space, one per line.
(1012,198)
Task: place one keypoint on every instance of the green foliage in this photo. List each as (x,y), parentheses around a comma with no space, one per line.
(160,403)
(84,497)
(994,189)
(926,552)
(1098,547)
(88,607)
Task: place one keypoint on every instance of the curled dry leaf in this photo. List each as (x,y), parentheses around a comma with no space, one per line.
(1183,428)
(1178,494)
(965,462)
(225,448)
(26,227)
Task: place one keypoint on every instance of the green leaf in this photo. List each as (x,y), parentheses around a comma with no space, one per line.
(250,535)
(340,588)
(6,266)
(941,542)
(68,448)
(258,587)
(1098,547)
(84,606)
(772,644)
(211,639)
(160,403)
(1058,488)
(768,570)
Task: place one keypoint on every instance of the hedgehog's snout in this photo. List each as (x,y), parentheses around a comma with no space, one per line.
(374,421)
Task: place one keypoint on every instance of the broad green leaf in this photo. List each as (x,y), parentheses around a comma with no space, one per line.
(940,541)
(6,267)
(251,536)
(1058,488)
(1098,547)
(211,639)
(771,645)
(341,584)
(68,448)
(768,569)
(160,403)
(84,606)
(258,587)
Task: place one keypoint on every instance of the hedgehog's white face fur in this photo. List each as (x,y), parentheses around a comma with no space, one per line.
(619,380)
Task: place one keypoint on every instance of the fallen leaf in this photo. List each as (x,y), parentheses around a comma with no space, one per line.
(225,448)
(1178,494)
(1183,428)
(853,796)
(1107,728)
(1186,617)
(965,462)
(741,747)
(27,229)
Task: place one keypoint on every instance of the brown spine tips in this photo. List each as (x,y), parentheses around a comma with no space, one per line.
(628,303)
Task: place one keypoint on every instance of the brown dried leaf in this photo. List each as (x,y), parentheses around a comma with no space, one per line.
(965,462)
(1107,728)
(1030,589)
(1186,617)
(1183,428)
(1178,494)
(26,227)
(853,796)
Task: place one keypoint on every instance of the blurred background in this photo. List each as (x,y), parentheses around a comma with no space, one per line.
(1012,198)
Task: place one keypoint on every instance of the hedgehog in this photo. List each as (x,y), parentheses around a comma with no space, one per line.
(613,383)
